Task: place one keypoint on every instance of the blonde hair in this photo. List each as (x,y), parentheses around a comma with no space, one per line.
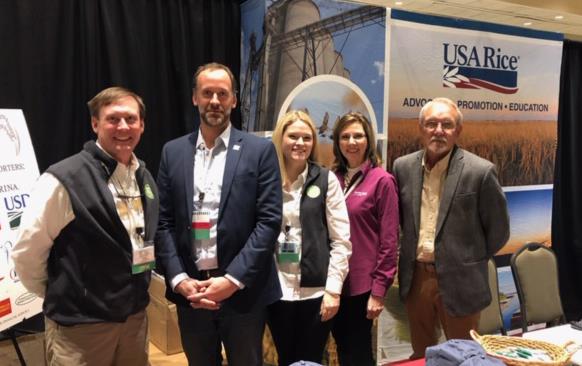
(284,122)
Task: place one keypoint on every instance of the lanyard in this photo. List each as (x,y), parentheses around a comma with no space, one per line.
(201,198)
(203,187)
(353,183)
(128,201)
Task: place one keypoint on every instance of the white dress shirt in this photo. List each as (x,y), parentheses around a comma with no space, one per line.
(209,165)
(338,227)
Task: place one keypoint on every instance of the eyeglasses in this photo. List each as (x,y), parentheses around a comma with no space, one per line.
(356,136)
(445,125)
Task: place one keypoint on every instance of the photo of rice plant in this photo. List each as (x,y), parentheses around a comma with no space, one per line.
(523,151)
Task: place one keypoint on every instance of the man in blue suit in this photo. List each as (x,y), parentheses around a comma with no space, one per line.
(220,214)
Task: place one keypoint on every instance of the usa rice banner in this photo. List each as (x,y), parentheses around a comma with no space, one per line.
(505,80)
(18,171)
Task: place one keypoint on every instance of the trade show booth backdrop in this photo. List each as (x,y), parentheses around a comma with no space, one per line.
(58,54)
(329,58)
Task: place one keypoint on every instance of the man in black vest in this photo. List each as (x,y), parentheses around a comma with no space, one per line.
(86,242)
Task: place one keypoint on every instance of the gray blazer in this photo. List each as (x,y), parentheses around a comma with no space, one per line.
(472,225)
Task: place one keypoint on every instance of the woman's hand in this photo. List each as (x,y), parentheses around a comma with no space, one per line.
(329,306)
(375,306)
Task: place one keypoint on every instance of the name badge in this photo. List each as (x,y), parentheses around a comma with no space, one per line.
(200,225)
(143,258)
(288,252)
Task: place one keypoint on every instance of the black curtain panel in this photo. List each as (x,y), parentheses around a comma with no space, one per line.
(57,54)
(567,200)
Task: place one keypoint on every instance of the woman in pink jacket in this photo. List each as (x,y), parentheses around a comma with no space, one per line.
(372,202)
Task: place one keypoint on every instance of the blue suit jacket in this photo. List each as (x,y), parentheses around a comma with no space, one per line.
(249,218)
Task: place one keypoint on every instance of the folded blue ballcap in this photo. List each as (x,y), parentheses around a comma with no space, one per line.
(459,352)
(304,363)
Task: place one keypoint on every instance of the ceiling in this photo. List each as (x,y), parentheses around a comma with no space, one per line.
(563,16)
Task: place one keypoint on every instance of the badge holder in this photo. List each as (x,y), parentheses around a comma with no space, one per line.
(288,252)
(200,225)
(143,257)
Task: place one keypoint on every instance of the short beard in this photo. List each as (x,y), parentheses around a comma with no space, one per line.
(214,122)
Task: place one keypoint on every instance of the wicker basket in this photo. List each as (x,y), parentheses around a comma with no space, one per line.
(494,343)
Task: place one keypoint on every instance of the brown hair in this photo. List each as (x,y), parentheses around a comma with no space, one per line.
(107,96)
(340,163)
(214,66)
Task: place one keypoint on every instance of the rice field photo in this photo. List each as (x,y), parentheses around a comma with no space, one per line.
(523,151)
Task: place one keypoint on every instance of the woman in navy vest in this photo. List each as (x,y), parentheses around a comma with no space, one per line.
(313,249)
(372,200)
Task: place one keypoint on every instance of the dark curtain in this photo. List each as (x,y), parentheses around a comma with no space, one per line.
(567,200)
(57,54)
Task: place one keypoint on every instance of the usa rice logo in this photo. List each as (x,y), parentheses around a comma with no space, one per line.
(14,206)
(471,67)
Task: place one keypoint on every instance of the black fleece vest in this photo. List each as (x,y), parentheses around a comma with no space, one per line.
(315,238)
(89,267)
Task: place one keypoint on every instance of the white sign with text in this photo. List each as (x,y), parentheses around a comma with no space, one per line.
(18,172)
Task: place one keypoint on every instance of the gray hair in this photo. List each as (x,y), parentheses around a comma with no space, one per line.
(441,100)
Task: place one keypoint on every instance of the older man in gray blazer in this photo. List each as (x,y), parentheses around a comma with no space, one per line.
(454,218)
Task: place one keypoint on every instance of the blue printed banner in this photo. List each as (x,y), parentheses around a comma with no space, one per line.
(505,80)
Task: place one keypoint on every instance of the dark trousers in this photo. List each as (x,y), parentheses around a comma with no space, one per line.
(297,329)
(202,332)
(352,332)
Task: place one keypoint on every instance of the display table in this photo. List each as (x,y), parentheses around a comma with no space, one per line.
(559,335)
(419,362)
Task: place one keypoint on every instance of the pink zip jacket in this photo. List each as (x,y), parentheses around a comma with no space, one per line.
(373,212)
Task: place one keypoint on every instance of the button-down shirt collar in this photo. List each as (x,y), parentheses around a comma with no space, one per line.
(127,197)
(133,163)
(222,139)
(432,187)
(298,184)
(440,166)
